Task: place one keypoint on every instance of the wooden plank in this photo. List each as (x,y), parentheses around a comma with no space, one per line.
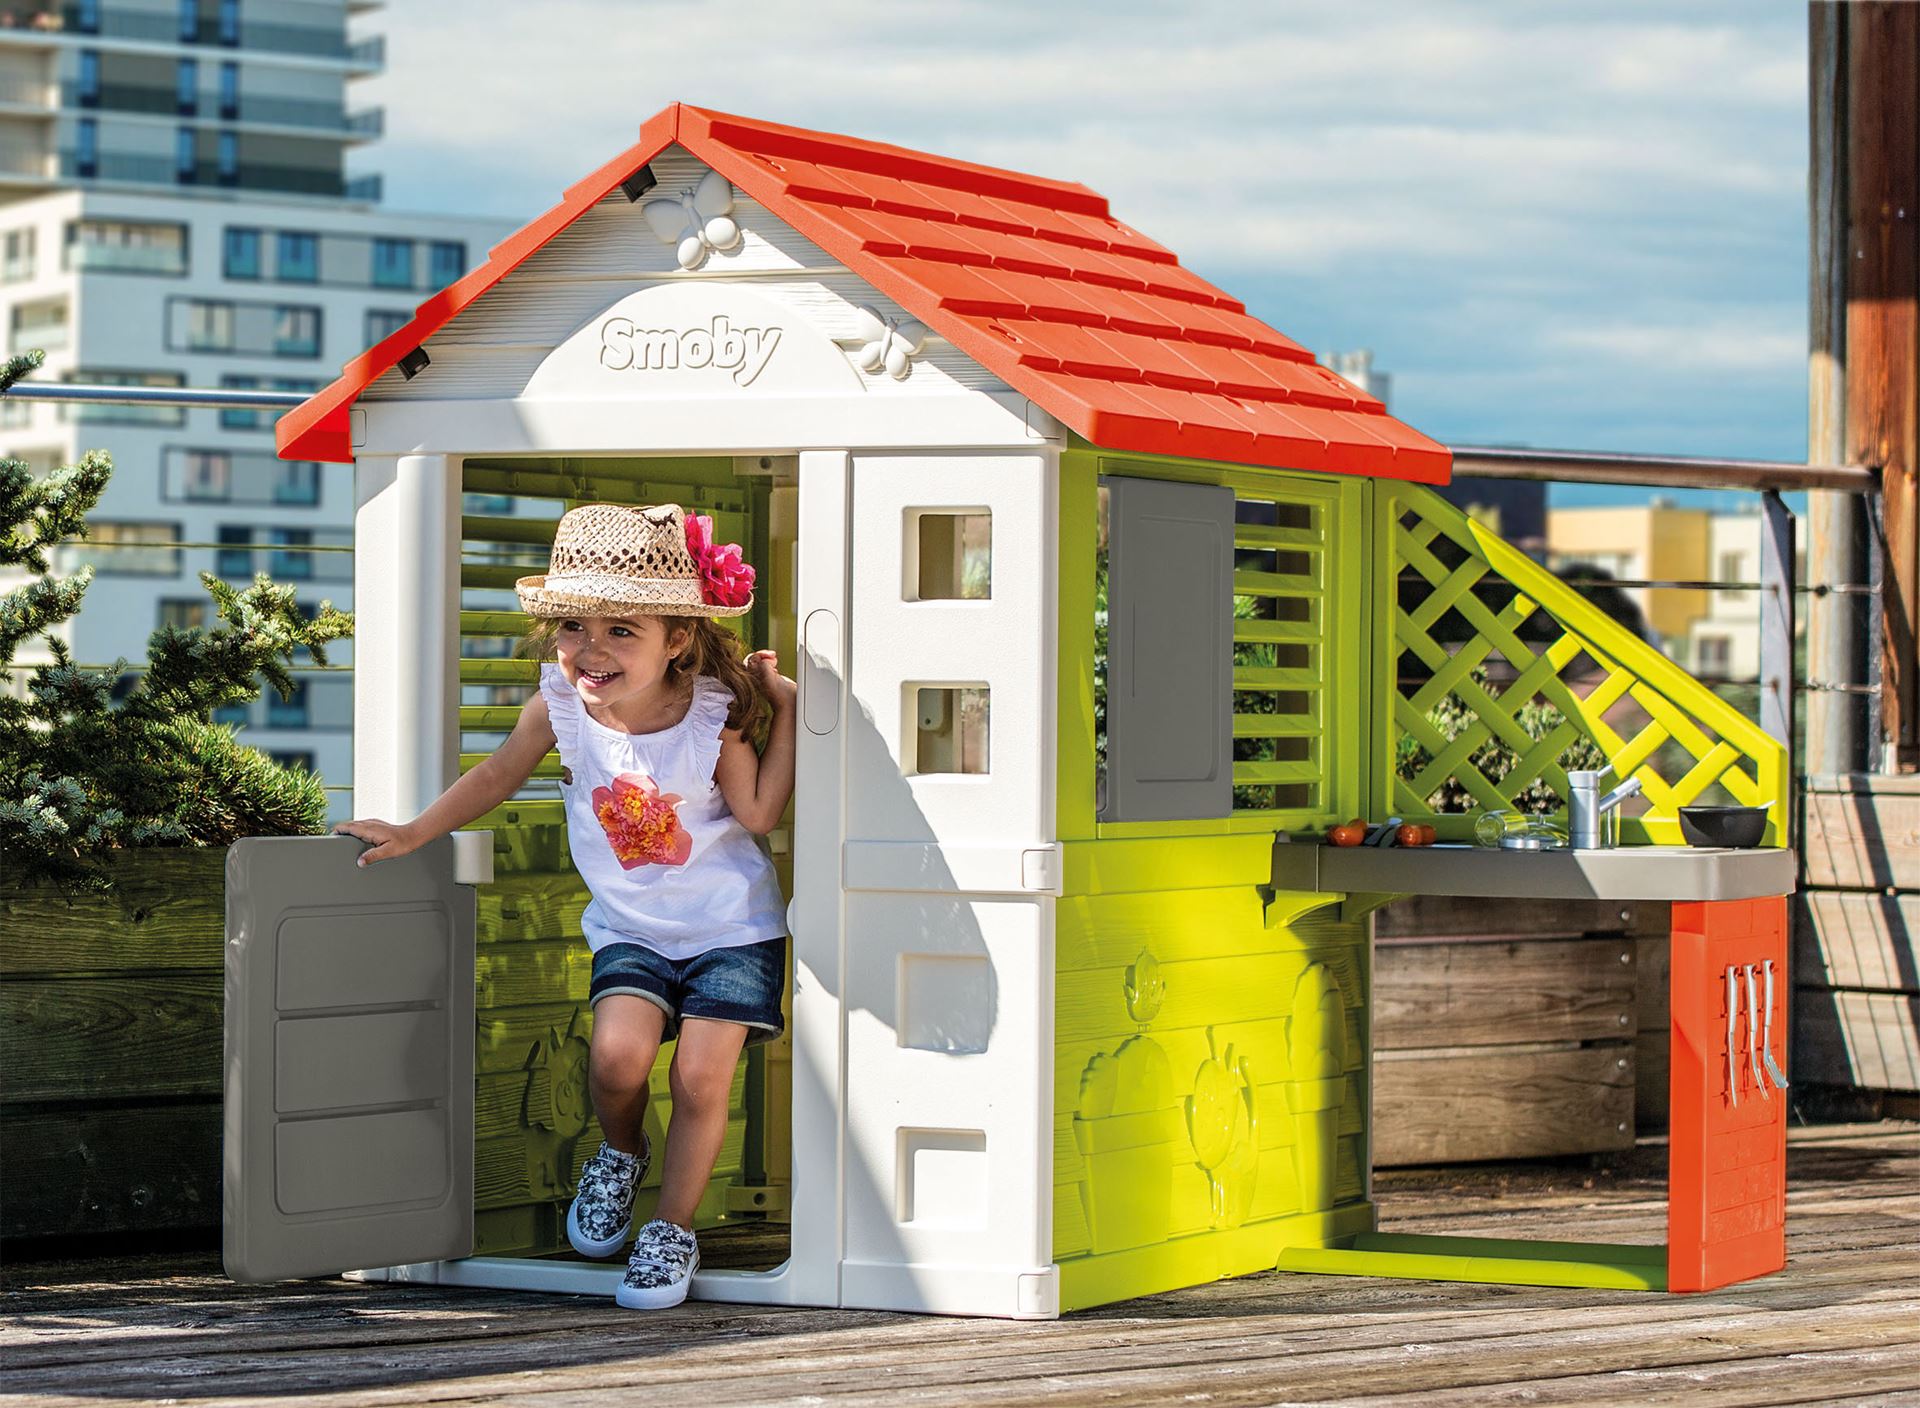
(1652,1041)
(1852,939)
(97,1171)
(1487,1103)
(100,1037)
(1499,993)
(1864,837)
(1456,916)
(1865,1039)
(167,910)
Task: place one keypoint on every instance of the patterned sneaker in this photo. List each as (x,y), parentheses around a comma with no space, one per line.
(602,1211)
(665,1256)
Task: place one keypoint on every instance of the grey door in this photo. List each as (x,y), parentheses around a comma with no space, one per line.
(349,1058)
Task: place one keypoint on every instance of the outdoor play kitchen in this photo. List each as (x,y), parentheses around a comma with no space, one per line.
(1107,605)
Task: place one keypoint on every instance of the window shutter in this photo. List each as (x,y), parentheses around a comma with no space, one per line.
(1170,651)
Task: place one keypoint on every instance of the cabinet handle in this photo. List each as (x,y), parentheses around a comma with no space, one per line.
(1733,1022)
(1753,1034)
(1766,1033)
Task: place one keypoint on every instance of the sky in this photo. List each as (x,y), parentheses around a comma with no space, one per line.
(1574,225)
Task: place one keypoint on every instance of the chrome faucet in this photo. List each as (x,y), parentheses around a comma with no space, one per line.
(1588,811)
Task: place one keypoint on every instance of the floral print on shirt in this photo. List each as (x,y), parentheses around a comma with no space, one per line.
(641,822)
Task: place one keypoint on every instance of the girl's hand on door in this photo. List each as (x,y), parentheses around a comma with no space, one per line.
(388,841)
(764,667)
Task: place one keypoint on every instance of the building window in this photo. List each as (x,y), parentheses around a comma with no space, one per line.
(86,148)
(392,263)
(108,414)
(239,418)
(240,253)
(383,323)
(298,257)
(446,261)
(186,87)
(125,550)
(1714,655)
(207,476)
(17,255)
(86,16)
(229,91)
(207,325)
(238,477)
(1731,564)
(234,558)
(86,87)
(297,332)
(299,759)
(185,158)
(227,154)
(121,246)
(189,21)
(229,22)
(285,565)
(183,614)
(288,713)
(248,328)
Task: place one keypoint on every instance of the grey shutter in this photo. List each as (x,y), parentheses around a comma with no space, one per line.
(1169,650)
(349,1058)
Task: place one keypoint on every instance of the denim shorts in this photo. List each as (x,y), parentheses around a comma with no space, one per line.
(741,984)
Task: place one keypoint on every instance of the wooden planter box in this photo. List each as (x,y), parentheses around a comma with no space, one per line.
(111,1041)
(110,1050)
(1507,1030)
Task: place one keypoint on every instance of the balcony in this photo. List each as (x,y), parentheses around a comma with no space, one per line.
(47,336)
(294,40)
(20,92)
(163,171)
(18,159)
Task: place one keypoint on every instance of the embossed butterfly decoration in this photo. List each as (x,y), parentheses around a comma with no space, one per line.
(697,221)
(887,343)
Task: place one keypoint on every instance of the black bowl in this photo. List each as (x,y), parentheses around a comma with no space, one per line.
(1739,828)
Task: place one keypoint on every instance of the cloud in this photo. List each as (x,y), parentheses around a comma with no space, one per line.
(1488,184)
(1723,344)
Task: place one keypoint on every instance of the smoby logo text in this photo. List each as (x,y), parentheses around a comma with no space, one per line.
(742,351)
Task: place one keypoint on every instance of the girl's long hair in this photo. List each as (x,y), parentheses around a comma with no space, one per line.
(710,650)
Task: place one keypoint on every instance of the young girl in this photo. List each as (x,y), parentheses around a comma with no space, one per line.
(650,703)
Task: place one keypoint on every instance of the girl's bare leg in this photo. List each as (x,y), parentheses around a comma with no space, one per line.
(626,1038)
(701,1079)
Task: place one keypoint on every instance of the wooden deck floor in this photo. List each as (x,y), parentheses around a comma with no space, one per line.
(1840,1325)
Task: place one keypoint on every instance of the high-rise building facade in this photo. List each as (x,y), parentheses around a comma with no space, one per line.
(175,210)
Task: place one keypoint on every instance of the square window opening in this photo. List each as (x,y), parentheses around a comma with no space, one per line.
(949,728)
(949,555)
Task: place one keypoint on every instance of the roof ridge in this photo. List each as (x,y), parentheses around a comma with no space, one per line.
(981,179)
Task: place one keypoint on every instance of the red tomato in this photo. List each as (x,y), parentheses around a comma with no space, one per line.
(1406,835)
(1352,834)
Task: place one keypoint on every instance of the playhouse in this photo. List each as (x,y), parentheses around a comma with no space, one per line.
(1095,588)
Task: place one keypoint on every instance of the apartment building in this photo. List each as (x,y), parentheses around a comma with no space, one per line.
(175,210)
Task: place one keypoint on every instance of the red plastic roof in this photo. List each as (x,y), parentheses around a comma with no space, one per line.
(1031,278)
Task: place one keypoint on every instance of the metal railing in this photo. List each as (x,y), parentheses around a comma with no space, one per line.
(1769,479)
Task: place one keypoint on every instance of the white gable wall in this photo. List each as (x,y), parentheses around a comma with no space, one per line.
(479,395)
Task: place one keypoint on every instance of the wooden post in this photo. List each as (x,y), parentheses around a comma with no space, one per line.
(1883,326)
(1837,727)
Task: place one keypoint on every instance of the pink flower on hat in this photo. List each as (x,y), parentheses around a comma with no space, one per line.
(726,578)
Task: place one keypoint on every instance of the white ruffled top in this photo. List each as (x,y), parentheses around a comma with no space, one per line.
(668,864)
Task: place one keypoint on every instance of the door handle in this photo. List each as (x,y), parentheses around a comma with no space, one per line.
(820,672)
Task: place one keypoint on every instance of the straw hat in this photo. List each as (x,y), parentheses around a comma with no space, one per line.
(611,560)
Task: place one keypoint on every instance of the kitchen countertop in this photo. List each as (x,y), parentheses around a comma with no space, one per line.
(1623,873)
